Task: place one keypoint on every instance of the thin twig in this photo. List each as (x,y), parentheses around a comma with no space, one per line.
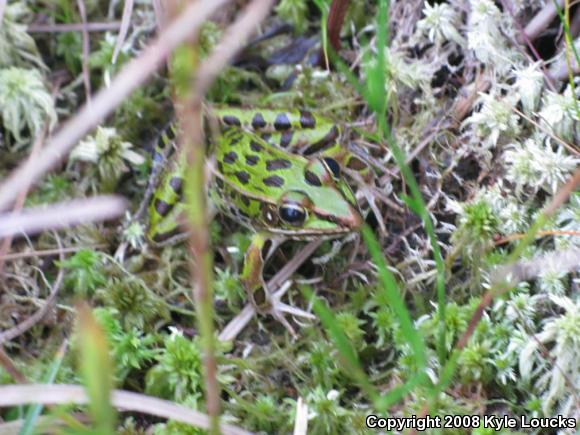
(11,369)
(86,50)
(548,132)
(512,237)
(63,28)
(28,323)
(7,242)
(106,100)
(125,23)
(523,36)
(16,395)
(49,252)
(61,215)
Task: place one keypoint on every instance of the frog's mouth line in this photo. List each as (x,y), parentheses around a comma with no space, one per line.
(309,233)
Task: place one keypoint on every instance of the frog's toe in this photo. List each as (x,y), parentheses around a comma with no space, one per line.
(289,309)
(279,309)
(279,316)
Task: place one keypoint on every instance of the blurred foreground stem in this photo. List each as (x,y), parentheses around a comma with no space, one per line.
(188,105)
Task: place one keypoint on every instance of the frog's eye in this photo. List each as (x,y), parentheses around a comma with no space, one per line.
(292,214)
(333,166)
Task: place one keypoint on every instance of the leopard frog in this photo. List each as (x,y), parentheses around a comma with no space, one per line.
(277,173)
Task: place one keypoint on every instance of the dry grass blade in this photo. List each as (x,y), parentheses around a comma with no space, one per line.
(129,79)
(542,19)
(49,252)
(86,49)
(563,262)
(16,395)
(301,420)
(125,23)
(560,70)
(61,215)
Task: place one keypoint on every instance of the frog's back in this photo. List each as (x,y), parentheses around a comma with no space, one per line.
(260,170)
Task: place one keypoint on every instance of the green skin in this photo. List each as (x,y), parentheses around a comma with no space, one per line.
(279,175)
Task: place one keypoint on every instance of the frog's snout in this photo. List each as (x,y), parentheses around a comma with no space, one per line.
(353,220)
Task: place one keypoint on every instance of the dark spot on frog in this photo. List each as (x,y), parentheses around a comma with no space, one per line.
(274,165)
(162,207)
(286,138)
(231,120)
(235,140)
(256,147)
(329,138)
(258,121)
(176,184)
(274,181)
(220,167)
(243,176)
(282,122)
(307,120)
(266,136)
(230,157)
(219,182)
(312,179)
(245,200)
(252,160)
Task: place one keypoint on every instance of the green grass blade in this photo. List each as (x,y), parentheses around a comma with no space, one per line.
(397,394)
(374,88)
(565,19)
(349,357)
(34,411)
(392,293)
(96,371)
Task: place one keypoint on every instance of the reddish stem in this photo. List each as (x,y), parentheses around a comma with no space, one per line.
(334,23)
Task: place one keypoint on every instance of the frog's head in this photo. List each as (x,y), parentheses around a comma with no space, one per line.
(323,205)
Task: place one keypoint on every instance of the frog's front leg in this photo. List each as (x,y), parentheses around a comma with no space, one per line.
(260,297)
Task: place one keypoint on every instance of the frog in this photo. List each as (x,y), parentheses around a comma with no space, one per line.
(278,173)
